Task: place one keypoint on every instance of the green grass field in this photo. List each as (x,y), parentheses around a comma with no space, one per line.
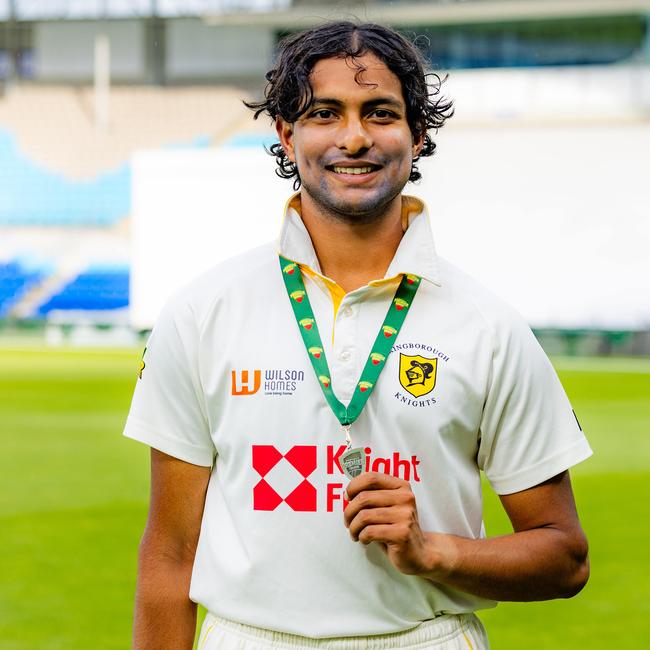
(73,497)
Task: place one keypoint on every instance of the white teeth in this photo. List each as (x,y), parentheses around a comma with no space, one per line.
(352,170)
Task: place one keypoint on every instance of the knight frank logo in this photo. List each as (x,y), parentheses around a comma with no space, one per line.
(285,478)
(241,382)
(303,497)
(417,374)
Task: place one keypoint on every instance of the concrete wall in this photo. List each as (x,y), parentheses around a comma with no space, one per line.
(65,50)
(196,50)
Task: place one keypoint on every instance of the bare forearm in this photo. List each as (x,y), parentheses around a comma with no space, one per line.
(165,617)
(536,564)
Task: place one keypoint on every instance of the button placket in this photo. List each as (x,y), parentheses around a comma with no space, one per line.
(345,355)
(319,297)
(345,362)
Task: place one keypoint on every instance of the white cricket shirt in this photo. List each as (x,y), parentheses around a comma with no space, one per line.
(227,382)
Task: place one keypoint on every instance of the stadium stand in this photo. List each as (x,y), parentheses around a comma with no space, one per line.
(63,171)
(141,117)
(34,195)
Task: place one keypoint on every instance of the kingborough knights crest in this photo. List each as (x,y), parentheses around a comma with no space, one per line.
(417,374)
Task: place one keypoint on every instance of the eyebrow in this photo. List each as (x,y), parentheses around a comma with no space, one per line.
(372,103)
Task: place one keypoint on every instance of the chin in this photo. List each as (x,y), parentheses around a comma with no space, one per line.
(359,211)
(362,209)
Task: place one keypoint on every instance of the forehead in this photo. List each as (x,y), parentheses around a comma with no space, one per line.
(363,78)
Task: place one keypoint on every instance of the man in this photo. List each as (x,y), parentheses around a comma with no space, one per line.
(307,486)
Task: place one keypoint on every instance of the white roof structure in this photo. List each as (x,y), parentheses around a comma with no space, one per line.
(94,9)
(302,12)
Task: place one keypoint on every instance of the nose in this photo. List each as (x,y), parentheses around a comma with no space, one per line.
(353,137)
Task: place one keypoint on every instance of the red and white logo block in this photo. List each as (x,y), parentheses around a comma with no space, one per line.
(300,494)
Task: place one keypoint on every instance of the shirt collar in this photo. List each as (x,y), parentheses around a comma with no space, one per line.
(416,253)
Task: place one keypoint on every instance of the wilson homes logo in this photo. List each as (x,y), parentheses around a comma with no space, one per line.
(276,381)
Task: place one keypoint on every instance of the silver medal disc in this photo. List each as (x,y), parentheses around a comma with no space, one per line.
(353,462)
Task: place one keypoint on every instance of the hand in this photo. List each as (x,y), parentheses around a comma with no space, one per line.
(382,509)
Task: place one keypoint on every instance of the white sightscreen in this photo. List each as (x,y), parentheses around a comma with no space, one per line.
(192,209)
(556,220)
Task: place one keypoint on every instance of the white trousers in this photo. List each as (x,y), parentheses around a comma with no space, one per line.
(462,632)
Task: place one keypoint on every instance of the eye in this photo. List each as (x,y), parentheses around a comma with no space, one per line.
(322,114)
(382,114)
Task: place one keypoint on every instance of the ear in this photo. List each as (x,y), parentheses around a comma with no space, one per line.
(285,135)
(418,144)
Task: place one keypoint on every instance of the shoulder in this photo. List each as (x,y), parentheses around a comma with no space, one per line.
(466,293)
(251,266)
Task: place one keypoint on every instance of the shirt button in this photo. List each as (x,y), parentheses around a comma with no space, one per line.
(345,355)
(346,311)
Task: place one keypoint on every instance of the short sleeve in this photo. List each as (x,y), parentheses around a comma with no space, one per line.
(529,432)
(168,410)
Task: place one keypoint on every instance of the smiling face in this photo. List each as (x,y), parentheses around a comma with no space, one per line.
(353,146)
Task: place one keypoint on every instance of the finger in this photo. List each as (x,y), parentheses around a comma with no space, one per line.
(385,534)
(376,516)
(374,481)
(376,499)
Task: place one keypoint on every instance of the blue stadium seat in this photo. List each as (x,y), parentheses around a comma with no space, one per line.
(15,281)
(98,288)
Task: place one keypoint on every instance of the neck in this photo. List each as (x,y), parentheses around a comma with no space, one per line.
(353,254)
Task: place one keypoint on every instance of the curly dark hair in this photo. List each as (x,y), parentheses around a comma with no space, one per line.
(288,93)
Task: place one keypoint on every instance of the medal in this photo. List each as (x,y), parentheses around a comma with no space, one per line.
(353,459)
